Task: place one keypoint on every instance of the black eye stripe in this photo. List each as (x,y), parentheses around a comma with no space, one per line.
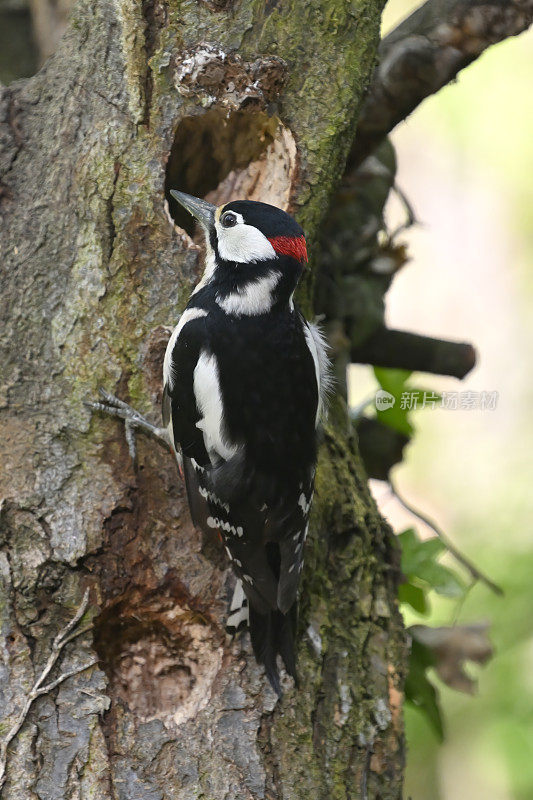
(228,220)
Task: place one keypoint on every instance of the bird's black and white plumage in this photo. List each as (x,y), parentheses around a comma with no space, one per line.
(244,379)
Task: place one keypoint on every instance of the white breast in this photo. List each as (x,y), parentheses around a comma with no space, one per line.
(210,405)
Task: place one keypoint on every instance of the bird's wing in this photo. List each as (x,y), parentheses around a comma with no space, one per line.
(180,411)
(265,544)
(184,349)
(240,519)
(215,471)
(291,546)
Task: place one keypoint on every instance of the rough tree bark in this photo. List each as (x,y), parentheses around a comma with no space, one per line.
(239,98)
(220,98)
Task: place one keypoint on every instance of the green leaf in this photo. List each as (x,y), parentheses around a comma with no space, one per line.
(417,552)
(420,564)
(442,579)
(413,596)
(406,399)
(394,382)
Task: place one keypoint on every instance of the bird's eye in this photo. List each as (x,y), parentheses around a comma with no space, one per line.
(228,219)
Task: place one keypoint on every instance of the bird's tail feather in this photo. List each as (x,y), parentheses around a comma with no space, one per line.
(273,634)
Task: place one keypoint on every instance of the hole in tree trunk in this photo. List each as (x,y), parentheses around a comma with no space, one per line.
(242,155)
(160,657)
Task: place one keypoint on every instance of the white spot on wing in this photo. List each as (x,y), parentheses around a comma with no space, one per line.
(254,298)
(213,498)
(209,401)
(304,503)
(227,527)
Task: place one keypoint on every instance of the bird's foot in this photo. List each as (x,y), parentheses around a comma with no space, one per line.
(133,420)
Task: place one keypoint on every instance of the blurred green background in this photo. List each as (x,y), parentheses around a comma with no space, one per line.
(466,164)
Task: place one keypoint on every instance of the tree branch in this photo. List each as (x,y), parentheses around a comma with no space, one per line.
(411,351)
(66,635)
(425,52)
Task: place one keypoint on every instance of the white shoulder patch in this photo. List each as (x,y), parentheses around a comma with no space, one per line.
(187,316)
(209,401)
(317,345)
(254,298)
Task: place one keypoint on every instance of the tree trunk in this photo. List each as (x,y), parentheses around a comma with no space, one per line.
(245,99)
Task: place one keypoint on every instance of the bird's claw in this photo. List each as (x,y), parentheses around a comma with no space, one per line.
(133,420)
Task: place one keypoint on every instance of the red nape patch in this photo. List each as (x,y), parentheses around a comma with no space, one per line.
(293,246)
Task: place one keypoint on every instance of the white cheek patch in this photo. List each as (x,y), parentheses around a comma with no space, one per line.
(243,243)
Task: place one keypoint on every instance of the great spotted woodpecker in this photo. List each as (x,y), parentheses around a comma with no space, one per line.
(244,382)
(245,376)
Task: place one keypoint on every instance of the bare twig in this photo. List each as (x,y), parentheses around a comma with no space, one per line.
(462,559)
(425,52)
(404,350)
(66,635)
(461,601)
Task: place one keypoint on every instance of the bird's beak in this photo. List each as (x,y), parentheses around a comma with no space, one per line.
(203,211)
